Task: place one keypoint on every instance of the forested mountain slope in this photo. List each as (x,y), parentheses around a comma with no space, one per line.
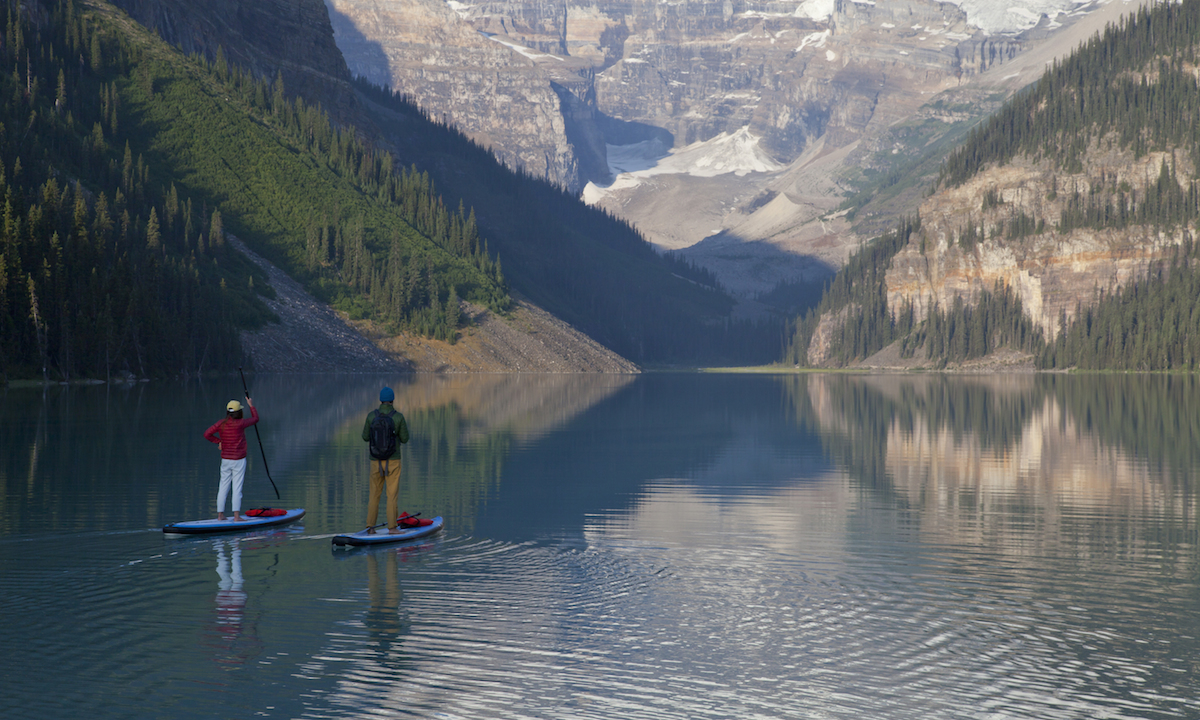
(124,164)
(579,263)
(1064,227)
(96,276)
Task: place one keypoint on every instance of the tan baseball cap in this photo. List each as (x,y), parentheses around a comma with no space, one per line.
(233,406)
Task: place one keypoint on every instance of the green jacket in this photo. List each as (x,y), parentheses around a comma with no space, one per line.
(398,419)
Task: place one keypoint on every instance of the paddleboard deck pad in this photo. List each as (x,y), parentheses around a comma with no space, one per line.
(381,535)
(213,525)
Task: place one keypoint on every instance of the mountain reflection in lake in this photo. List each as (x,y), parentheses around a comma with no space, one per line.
(656,546)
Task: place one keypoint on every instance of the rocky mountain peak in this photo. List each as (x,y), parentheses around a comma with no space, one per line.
(692,69)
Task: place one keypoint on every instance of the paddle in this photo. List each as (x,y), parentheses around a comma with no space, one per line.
(260,445)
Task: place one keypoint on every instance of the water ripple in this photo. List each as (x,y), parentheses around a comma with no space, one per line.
(722,625)
(486,629)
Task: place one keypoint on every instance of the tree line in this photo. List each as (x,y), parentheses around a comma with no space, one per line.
(1150,324)
(102,271)
(859,293)
(857,297)
(119,183)
(1134,84)
(388,279)
(351,251)
(1132,87)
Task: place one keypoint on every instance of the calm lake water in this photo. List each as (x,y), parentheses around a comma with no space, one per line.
(659,546)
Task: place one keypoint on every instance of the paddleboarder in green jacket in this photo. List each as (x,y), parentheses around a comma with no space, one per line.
(385,431)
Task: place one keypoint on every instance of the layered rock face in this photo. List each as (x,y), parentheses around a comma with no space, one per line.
(502,71)
(1053,273)
(499,97)
(700,69)
(266,37)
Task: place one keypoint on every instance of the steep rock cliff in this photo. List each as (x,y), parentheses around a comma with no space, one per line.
(502,70)
(500,97)
(967,243)
(700,69)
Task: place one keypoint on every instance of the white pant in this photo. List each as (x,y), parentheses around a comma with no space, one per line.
(233,473)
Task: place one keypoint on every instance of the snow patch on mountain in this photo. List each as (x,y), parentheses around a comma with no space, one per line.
(816,40)
(527,52)
(737,152)
(1017,15)
(816,9)
(991,16)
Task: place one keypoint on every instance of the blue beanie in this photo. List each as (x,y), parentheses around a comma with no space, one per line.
(386,395)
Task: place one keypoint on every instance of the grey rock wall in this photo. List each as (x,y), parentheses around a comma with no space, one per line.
(498,97)
(692,69)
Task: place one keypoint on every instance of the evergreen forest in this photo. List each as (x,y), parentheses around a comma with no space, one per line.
(99,264)
(125,167)
(1133,88)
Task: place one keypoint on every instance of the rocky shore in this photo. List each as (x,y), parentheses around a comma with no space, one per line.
(1004,360)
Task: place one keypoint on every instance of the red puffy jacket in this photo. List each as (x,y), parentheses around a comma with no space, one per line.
(231,434)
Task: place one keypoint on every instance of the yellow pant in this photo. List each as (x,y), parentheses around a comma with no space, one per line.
(382,470)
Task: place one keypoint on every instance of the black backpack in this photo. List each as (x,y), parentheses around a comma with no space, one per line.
(383,435)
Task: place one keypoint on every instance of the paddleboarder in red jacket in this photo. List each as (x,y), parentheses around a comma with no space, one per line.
(230,435)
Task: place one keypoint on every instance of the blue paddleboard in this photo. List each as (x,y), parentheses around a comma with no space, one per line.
(381,535)
(198,527)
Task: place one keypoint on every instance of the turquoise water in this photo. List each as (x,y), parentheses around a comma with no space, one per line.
(660,546)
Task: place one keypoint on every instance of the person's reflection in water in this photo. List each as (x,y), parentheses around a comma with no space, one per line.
(383,620)
(231,598)
(228,635)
